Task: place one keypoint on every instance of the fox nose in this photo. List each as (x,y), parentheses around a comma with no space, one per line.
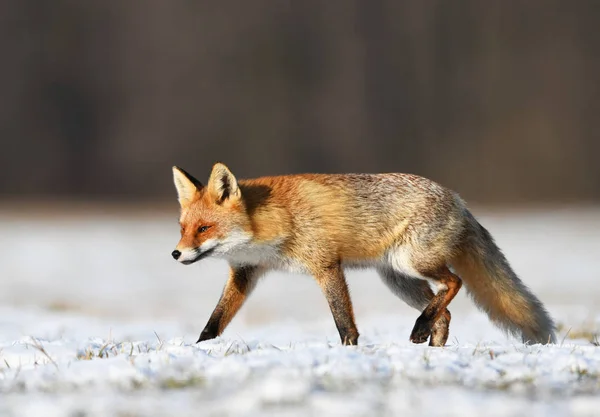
(176,254)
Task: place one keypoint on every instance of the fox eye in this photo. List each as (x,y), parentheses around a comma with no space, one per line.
(203,229)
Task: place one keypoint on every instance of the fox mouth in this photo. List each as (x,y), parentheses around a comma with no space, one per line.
(199,256)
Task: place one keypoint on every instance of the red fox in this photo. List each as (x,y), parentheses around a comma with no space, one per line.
(414,232)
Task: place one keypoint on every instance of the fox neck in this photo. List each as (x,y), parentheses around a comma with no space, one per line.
(269,223)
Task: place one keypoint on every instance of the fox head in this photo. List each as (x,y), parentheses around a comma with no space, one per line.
(213,217)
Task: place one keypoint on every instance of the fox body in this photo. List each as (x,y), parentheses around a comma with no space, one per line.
(414,232)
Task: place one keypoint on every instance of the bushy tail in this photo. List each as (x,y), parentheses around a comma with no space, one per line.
(497,290)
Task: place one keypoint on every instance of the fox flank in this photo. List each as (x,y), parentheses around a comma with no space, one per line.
(414,232)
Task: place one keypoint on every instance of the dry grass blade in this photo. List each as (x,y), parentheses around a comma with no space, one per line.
(103,350)
(565,337)
(160,342)
(37,345)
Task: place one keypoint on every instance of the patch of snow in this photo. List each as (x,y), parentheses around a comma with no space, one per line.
(103,322)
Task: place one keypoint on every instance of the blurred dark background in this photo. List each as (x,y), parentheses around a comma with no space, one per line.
(499,100)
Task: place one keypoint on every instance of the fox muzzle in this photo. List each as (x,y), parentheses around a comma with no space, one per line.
(190,258)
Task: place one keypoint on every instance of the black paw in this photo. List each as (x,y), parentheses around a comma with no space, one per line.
(349,338)
(206,335)
(421,331)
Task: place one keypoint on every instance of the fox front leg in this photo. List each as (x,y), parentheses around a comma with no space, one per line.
(334,287)
(240,284)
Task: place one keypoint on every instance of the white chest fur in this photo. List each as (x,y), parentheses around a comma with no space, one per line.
(267,254)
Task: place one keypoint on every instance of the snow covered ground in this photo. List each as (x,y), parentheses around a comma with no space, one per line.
(96,319)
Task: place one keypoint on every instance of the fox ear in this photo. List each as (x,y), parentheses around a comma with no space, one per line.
(222,184)
(186,185)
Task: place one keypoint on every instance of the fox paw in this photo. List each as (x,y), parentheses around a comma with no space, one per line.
(440,330)
(350,339)
(421,331)
(206,335)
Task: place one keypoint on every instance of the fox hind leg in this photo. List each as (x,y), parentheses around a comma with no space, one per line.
(448,284)
(417,293)
(440,330)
